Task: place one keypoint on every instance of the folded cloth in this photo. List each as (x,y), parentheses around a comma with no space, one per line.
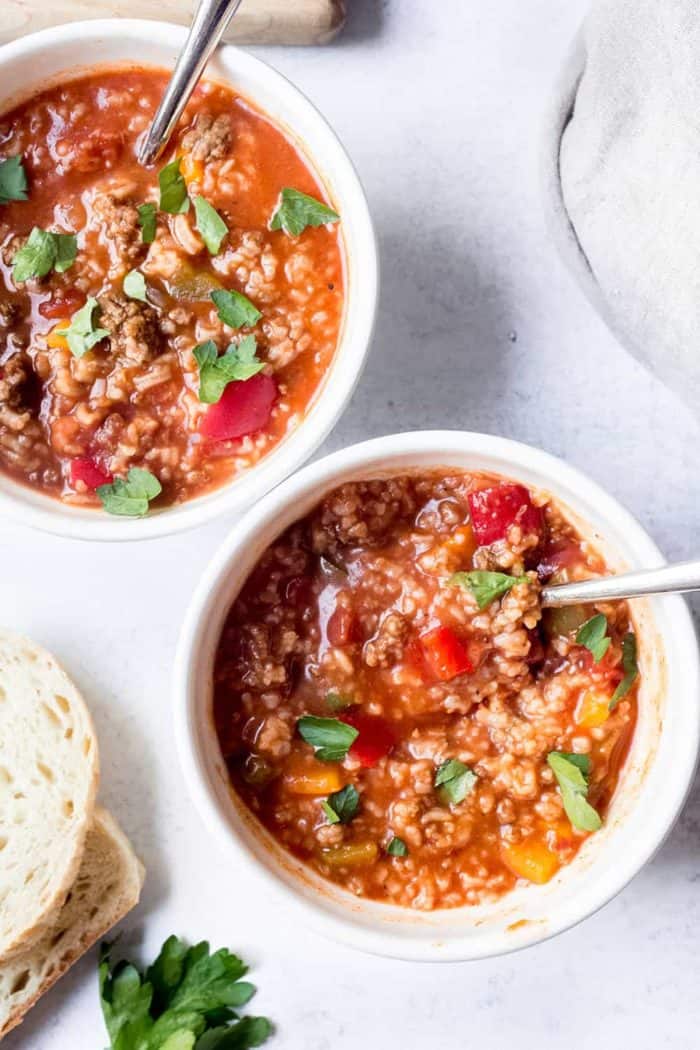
(622,178)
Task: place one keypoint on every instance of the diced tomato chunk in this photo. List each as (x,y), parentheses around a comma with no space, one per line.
(89,472)
(495,509)
(342,627)
(62,304)
(555,559)
(603,671)
(95,152)
(445,655)
(375,738)
(243,408)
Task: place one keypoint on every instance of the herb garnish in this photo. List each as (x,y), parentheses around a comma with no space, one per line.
(629,666)
(130,497)
(147,222)
(235,309)
(572,772)
(397,847)
(297,210)
(134,286)
(215,373)
(330,738)
(173,189)
(210,224)
(13,180)
(486,586)
(593,636)
(43,251)
(338,702)
(81,334)
(186,993)
(454,781)
(341,806)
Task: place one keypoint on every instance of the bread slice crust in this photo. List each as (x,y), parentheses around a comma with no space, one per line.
(49,773)
(107,887)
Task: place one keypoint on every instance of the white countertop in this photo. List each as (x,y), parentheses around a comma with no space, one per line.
(440,106)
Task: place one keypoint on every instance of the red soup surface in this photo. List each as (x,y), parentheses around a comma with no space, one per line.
(397,709)
(176,319)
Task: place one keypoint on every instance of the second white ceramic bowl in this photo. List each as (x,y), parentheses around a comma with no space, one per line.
(32,64)
(654,781)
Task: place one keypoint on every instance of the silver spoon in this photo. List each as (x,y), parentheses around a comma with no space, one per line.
(682,577)
(210,21)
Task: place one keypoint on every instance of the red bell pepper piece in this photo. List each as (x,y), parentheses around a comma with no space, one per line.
(342,627)
(89,472)
(495,509)
(445,655)
(243,408)
(62,304)
(375,739)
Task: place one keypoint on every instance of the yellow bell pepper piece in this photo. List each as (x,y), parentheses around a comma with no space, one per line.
(352,855)
(192,170)
(313,779)
(530,860)
(56,341)
(592,709)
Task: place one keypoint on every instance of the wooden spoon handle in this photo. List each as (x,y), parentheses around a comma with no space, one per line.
(257,21)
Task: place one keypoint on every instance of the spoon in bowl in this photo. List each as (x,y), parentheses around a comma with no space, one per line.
(682,577)
(210,20)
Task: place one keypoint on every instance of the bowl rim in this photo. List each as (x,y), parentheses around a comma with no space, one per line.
(318,477)
(26,505)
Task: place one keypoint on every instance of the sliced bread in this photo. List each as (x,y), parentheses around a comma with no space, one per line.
(48,780)
(108,885)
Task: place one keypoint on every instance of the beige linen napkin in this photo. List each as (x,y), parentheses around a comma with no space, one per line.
(622,177)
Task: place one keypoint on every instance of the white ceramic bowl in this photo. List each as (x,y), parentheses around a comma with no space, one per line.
(32,63)
(653,784)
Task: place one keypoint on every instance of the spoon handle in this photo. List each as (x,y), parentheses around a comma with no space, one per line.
(682,577)
(209,23)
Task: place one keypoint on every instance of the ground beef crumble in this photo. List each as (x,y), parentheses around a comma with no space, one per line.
(119,221)
(133,328)
(209,138)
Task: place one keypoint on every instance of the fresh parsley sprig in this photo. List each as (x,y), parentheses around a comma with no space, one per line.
(572,773)
(296,210)
(134,285)
(454,781)
(486,586)
(42,252)
(130,497)
(341,806)
(173,189)
(235,309)
(330,738)
(592,635)
(210,224)
(13,180)
(147,222)
(629,666)
(216,372)
(81,334)
(187,1000)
